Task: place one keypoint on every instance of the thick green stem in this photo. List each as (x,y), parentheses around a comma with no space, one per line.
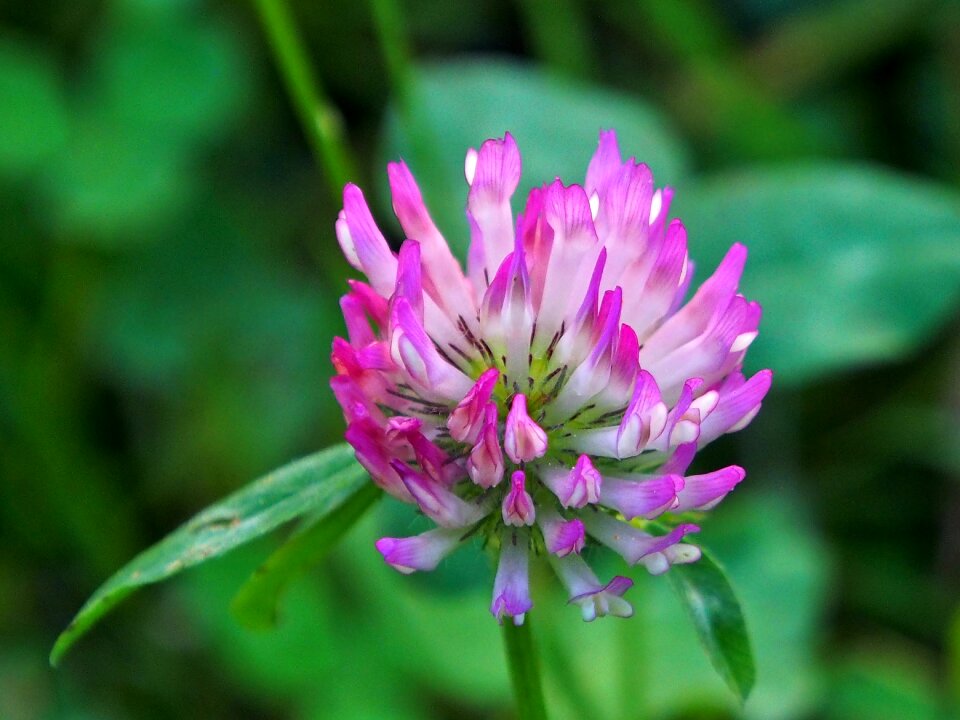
(524,670)
(320,119)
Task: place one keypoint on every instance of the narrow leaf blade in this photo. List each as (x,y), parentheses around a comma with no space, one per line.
(315,484)
(255,604)
(706,593)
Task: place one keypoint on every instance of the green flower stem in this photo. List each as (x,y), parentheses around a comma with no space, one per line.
(524,670)
(320,119)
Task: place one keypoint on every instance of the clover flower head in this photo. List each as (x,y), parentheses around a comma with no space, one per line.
(557,390)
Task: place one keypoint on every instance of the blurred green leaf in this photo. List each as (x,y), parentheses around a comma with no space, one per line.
(256,603)
(225,339)
(315,484)
(177,72)
(782,570)
(33,118)
(322,661)
(458,105)
(546,20)
(885,682)
(812,48)
(162,82)
(114,177)
(706,593)
(852,264)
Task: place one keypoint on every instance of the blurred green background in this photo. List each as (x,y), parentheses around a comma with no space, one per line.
(168,293)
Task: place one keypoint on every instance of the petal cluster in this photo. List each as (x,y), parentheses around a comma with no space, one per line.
(556,391)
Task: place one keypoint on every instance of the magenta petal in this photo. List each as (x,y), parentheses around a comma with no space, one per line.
(625,363)
(412,348)
(436,501)
(628,541)
(493,174)
(497,171)
(355,318)
(702,492)
(737,405)
(645,418)
(363,243)
(444,279)
(561,537)
(374,455)
(434,461)
(567,210)
(709,302)
(420,552)
(523,439)
(641,498)
(485,464)
(356,404)
(518,508)
(511,587)
(647,310)
(467,418)
(537,238)
(680,460)
(373,304)
(573,256)
(594,599)
(604,164)
(409,282)
(579,486)
(625,208)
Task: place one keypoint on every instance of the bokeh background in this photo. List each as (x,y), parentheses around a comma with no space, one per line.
(168,293)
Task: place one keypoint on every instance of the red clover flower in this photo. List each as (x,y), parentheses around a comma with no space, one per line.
(559,389)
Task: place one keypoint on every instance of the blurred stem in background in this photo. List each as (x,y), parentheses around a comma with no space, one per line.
(321,120)
(524,668)
(388,21)
(945,27)
(398,57)
(811,48)
(953,664)
(66,487)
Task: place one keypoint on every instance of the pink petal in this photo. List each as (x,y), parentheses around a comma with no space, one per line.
(518,509)
(643,498)
(485,464)
(436,501)
(511,586)
(467,418)
(363,243)
(702,492)
(444,279)
(420,552)
(579,486)
(495,178)
(523,439)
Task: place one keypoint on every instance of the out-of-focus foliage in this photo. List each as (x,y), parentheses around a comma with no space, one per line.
(553,120)
(168,287)
(316,485)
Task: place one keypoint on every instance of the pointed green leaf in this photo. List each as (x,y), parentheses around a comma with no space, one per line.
(318,484)
(255,605)
(709,599)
